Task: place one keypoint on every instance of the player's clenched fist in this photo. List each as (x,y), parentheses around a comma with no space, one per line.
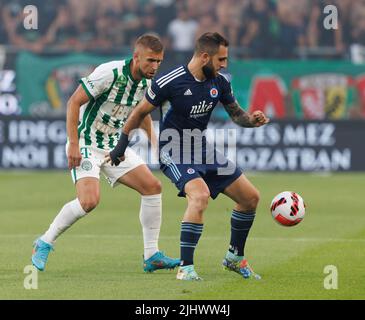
(258,118)
(108,159)
(73,155)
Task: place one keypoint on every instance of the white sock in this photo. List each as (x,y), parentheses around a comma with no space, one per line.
(69,214)
(150,217)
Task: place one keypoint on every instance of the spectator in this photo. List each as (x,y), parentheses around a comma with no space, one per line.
(345,8)
(198,8)
(85,35)
(291,34)
(208,22)
(3,32)
(182,31)
(318,35)
(131,20)
(267,28)
(259,36)
(13,16)
(110,34)
(61,34)
(107,7)
(148,24)
(358,24)
(82,10)
(229,19)
(165,12)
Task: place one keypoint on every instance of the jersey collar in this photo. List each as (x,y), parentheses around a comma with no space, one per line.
(192,76)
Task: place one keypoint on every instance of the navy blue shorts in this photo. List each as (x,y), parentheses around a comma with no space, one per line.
(216,176)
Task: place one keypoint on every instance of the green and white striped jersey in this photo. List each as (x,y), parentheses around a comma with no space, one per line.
(113,94)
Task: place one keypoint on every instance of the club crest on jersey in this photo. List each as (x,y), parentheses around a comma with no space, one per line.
(214,92)
(190,171)
(121,81)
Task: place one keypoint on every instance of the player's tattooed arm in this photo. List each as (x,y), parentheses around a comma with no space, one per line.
(244,119)
(238,115)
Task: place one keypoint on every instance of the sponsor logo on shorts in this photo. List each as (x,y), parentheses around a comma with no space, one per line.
(86,165)
(190,171)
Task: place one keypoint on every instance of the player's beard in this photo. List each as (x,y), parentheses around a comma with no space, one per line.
(208,70)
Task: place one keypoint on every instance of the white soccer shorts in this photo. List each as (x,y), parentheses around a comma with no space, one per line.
(92,164)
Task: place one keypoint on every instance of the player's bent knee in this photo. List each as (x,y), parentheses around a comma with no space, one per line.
(89,204)
(151,188)
(200,200)
(253,200)
(156,187)
(249,203)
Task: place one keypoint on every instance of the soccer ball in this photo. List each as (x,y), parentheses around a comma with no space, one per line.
(288,208)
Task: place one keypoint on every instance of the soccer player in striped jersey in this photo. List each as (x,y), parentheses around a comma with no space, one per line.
(96,113)
(193,91)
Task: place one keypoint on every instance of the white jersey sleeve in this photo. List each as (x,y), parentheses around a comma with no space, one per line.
(98,81)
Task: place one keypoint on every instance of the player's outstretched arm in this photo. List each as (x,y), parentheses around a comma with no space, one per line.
(244,119)
(134,121)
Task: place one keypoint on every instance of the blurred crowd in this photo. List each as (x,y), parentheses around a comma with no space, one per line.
(260,28)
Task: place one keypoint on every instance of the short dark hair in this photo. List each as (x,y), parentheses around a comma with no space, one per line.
(150,41)
(209,42)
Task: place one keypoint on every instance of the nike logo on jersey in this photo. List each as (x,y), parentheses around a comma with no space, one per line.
(201,108)
(188,93)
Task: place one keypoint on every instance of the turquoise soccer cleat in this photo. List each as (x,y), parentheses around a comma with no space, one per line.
(240,266)
(159,261)
(188,273)
(40,253)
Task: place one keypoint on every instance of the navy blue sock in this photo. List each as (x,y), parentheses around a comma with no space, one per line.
(241,223)
(190,234)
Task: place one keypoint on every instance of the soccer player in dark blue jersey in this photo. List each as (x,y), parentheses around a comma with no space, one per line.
(193,91)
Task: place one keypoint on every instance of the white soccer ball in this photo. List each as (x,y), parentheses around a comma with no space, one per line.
(288,208)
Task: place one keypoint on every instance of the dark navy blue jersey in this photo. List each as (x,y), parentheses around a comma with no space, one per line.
(191,105)
(191,101)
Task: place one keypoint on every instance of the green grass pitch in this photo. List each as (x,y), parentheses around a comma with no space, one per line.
(100,256)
